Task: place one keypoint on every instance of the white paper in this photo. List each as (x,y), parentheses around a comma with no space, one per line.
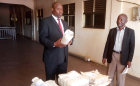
(72,78)
(96,79)
(39,82)
(125,70)
(50,83)
(68,35)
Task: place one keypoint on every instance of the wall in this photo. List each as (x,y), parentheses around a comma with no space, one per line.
(91,42)
(123,7)
(88,42)
(127,8)
(4,15)
(46,6)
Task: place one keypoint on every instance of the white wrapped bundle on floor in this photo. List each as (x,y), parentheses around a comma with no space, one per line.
(96,79)
(68,35)
(39,82)
(50,83)
(72,78)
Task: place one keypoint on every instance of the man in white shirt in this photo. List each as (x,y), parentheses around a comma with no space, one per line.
(119,50)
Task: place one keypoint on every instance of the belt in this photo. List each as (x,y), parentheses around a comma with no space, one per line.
(117,52)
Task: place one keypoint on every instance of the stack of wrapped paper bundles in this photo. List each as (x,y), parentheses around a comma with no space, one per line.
(96,79)
(72,78)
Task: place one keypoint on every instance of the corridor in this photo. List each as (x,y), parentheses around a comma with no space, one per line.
(21,60)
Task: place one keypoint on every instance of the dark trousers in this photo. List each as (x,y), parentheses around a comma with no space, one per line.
(55,69)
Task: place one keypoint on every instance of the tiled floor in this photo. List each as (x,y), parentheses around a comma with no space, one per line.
(21,60)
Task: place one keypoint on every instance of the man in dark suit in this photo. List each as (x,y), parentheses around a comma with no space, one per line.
(119,50)
(55,55)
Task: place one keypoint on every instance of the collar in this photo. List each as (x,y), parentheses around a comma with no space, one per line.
(55,17)
(122,29)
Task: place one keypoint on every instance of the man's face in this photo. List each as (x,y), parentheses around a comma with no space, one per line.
(121,21)
(57,10)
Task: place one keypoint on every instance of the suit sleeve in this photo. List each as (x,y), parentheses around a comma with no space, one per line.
(43,35)
(107,45)
(132,46)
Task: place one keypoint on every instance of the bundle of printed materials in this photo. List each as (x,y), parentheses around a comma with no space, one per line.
(91,78)
(96,78)
(72,78)
(39,82)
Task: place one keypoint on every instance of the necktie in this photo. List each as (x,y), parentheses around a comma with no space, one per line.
(60,25)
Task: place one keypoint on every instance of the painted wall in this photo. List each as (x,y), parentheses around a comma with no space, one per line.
(91,42)
(4,15)
(127,8)
(88,42)
(46,6)
(123,7)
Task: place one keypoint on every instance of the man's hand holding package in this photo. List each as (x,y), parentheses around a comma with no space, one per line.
(59,44)
(104,61)
(129,64)
(70,42)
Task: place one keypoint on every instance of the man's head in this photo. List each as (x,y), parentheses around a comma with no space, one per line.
(57,9)
(121,21)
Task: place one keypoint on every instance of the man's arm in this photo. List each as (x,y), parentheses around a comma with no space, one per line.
(106,48)
(43,35)
(131,48)
(104,61)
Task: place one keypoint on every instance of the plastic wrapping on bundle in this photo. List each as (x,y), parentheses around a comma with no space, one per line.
(39,82)
(73,78)
(96,79)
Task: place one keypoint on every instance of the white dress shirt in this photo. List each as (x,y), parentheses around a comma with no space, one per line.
(119,40)
(60,22)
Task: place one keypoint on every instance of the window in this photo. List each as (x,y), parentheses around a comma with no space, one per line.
(94,12)
(65,13)
(28,18)
(69,15)
(72,15)
(40,17)
(40,13)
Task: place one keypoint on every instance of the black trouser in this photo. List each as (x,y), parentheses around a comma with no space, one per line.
(55,69)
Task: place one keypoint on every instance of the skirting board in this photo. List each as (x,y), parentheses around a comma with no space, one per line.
(82,57)
(133,77)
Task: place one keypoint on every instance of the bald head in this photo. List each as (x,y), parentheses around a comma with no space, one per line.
(57,9)
(121,21)
(124,15)
(55,4)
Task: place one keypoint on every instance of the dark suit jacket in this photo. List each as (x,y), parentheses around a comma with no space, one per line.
(50,32)
(128,45)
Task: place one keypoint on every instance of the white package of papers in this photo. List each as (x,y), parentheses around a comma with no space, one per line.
(68,35)
(96,79)
(39,82)
(72,78)
(125,70)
